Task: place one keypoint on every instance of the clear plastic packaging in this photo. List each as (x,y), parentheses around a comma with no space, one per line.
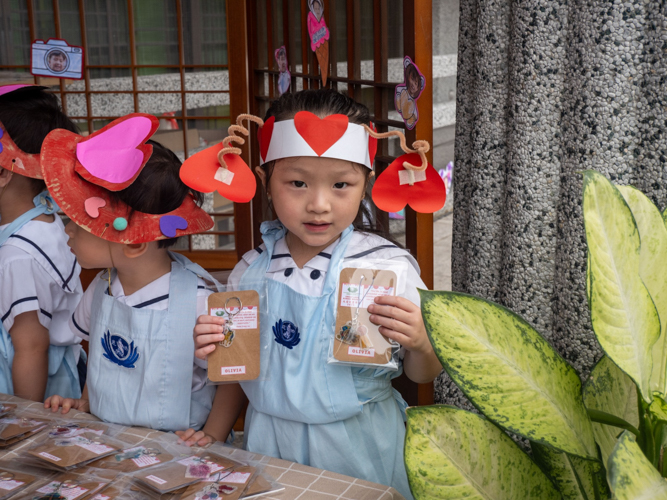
(238,356)
(356,341)
(67,486)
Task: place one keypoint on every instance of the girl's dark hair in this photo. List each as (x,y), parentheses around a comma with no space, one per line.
(28,115)
(325,102)
(158,189)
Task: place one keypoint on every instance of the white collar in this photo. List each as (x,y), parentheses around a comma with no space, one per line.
(282,258)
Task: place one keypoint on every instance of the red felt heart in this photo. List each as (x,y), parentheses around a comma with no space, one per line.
(320,133)
(265,133)
(425,197)
(372,144)
(198,172)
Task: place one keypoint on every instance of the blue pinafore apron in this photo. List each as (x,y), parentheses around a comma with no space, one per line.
(63,374)
(140,360)
(334,417)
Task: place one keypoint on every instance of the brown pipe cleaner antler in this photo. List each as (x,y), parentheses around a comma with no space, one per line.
(237,139)
(421,147)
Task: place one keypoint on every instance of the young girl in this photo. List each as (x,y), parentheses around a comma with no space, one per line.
(340,418)
(39,276)
(127,206)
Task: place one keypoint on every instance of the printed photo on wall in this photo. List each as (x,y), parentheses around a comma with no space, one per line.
(319,36)
(285,77)
(56,58)
(407,93)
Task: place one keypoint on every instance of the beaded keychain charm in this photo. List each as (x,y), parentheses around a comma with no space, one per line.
(352,331)
(229,324)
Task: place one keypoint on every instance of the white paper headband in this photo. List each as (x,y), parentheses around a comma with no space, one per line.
(287,141)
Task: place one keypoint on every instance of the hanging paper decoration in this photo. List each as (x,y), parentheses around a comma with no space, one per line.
(319,36)
(57,59)
(407,93)
(285,77)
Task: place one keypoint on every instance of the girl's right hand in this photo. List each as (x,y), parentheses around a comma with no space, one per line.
(208,331)
(55,402)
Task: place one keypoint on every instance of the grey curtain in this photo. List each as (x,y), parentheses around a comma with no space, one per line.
(545,90)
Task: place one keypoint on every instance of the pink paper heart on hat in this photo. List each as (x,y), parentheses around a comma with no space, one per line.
(116,154)
(93,205)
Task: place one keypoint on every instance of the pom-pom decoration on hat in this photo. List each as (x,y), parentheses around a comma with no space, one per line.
(81,171)
(11,156)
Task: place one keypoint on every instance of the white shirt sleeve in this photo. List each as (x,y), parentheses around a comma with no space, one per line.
(25,287)
(79,322)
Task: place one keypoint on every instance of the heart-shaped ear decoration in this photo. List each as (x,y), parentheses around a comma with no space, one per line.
(203,172)
(390,194)
(265,134)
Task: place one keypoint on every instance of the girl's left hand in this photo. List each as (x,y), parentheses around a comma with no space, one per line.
(192,437)
(401,320)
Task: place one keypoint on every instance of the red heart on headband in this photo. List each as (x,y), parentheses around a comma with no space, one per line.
(198,172)
(320,133)
(265,133)
(427,196)
(372,144)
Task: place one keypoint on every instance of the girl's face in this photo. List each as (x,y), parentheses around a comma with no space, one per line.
(317,10)
(91,251)
(413,85)
(316,198)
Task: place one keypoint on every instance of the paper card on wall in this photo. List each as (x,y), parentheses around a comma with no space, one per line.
(319,36)
(238,356)
(361,342)
(285,77)
(427,196)
(202,172)
(407,93)
(57,59)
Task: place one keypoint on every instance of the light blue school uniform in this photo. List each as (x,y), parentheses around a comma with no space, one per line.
(140,360)
(339,418)
(63,376)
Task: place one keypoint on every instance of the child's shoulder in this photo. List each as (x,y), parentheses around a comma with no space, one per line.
(372,246)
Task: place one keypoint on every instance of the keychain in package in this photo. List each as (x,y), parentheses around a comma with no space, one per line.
(181,473)
(7,408)
(135,458)
(11,482)
(67,487)
(237,356)
(356,340)
(262,485)
(12,427)
(229,485)
(64,453)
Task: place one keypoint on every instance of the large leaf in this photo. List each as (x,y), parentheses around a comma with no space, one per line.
(576,478)
(610,390)
(624,318)
(631,476)
(452,454)
(508,371)
(653,272)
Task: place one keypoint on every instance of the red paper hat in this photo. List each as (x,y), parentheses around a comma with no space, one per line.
(80,171)
(11,156)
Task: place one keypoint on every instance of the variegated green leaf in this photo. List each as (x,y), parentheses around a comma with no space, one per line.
(508,371)
(653,272)
(631,475)
(576,478)
(452,454)
(610,390)
(624,318)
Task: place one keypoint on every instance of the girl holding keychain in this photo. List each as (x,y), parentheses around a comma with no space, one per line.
(317,151)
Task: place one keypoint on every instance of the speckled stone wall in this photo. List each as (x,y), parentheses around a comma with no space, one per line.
(546,89)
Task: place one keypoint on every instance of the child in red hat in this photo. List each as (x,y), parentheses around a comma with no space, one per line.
(128,206)
(39,275)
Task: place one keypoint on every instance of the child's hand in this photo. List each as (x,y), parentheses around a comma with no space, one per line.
(401,320)
(191,437)
(55,402)
(206,333)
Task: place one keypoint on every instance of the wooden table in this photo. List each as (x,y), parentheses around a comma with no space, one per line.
(301,482)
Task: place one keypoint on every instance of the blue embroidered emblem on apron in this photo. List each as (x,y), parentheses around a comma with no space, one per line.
(286,333)
(119,351)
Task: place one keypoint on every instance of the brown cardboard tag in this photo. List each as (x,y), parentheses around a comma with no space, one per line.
(9,442)
(174,475)
(69,487)
(6,408)
(238,358)
(135,458)
(12,427)
(368,345)
(12,481)
(229,487)
(65,452)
